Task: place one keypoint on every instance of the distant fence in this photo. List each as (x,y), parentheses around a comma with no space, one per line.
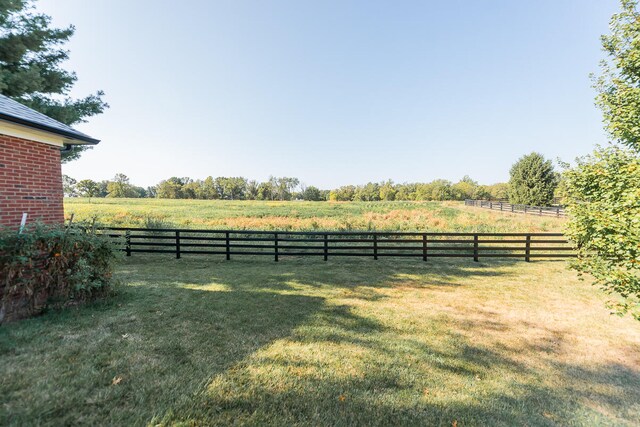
(556,211)
(323,244)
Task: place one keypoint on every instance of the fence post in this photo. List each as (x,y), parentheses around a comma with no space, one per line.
(500,206)
(558,211)
(275,241)
(540,210)
(326,246)
(475,248)
(375,246)
(177,245)
(228,247)
(525,209)
(424,247)
(511,207)
(527,251)
(127,240)
(490,205)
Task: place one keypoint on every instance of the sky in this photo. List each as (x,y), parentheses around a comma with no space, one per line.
(334,92)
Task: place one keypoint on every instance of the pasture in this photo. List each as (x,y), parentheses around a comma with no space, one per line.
(304,216)
(202,341)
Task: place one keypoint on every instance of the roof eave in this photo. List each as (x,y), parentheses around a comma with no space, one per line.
(82,139)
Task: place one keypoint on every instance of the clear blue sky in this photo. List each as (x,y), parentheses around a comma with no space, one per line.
(334,92)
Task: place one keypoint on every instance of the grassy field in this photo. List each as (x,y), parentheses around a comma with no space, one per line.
(202,341)
(404,216)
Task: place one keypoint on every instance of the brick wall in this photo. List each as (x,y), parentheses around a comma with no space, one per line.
(30,181)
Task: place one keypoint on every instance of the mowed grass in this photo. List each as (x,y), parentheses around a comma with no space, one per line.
(202,341)
(265,215)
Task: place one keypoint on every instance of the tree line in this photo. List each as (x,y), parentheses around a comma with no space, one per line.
(281,188)
(533,181)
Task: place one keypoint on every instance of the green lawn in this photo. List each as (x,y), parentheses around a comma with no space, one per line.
(405,216)
(201,341)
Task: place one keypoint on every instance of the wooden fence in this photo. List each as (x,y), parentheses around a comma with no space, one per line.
(556,211)
(323,244)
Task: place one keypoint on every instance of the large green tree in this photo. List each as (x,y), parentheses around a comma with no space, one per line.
(603,190)
(532,181)
(31,54)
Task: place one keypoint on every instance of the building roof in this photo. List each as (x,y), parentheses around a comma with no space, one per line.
(14,112)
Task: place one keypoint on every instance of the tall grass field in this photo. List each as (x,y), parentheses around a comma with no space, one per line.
(267,215)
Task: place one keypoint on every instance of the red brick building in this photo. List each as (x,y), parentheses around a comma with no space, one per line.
(30,173)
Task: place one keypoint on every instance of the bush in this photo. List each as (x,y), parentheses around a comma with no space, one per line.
(604,205)
(52,266)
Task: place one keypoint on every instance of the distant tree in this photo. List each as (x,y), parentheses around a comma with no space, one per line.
(170,188)
(138,192)
(481,192)
(499,191)
(312,194)
(265,191)
(31,52)
(423,191)
(464,189)
(388,191)
(152,191)
(284,186)
(208,189)
(367,193)
(441,190)
(121,187)
(237,188)
(252,190)
(532,181)
(88,188)
(69,186)
(343,194)
(192,189)
(561,192)
(232,188)
(102,187)
(406,191)
(603,190)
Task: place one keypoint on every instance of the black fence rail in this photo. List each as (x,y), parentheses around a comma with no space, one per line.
(376,245)
(556,211)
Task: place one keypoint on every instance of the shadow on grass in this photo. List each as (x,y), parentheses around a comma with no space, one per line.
(123,361)
(400,381)
(259,273)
